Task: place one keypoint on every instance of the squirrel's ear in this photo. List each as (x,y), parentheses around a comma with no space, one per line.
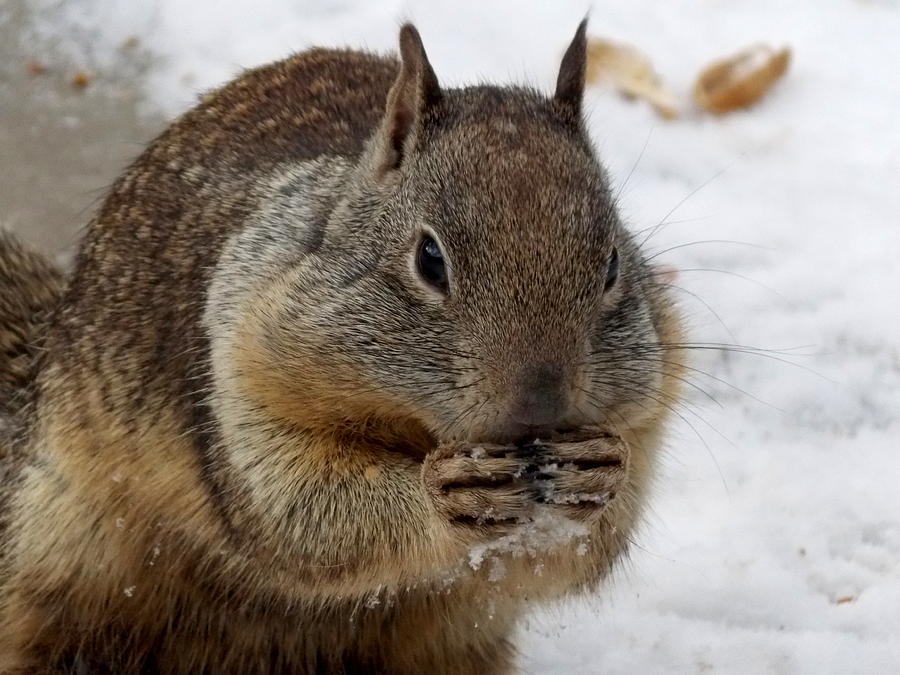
(415,90)
(570,81)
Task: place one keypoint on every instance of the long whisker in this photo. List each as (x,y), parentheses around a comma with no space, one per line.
(619,366)
(635,165)
(705,304)
(720,380)
(674,410)
(677,206)
(707,241)
(629,385)
(772,354)
(737,275)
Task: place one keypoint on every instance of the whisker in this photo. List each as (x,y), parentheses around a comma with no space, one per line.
(455,420)
(639,371)
(705,304)
(737,275)
(674,410)
(677,206)
(720,380)
(707,241)
(635,165)
(772,354)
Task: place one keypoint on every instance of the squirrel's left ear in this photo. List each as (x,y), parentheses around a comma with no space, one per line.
(415,90)
(570,81)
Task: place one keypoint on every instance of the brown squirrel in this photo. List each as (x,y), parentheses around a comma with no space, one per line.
(351,371)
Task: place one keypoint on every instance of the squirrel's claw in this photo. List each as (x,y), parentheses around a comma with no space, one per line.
(580,473)
(478,485)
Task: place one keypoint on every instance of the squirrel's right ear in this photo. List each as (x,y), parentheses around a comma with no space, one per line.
(415,90)
(570,81)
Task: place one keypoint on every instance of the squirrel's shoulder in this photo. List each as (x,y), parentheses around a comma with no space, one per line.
(317,102)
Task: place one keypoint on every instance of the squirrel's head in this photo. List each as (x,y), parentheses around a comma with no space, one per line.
(471,278)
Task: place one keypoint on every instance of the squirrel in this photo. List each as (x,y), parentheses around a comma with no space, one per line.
(352,370)
(31,287)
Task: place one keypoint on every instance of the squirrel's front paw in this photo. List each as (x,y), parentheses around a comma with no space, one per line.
(579,473)
(480,486)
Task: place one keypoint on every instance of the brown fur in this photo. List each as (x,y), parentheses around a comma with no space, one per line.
(239,459)
(30,287)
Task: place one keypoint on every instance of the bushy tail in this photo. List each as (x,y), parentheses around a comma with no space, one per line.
(30,287)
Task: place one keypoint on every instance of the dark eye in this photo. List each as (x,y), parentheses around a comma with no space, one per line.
(612,270)
(430,264)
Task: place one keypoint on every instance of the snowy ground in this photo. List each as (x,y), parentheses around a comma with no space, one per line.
(774,539)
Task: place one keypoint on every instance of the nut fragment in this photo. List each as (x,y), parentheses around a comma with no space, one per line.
(740,80)
(80,80)
(36,68)
(630,72)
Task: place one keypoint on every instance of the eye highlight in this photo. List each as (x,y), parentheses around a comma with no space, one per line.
(430,264)
(612,270)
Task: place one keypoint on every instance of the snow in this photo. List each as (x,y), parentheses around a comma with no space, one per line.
(546,530)
(773,542)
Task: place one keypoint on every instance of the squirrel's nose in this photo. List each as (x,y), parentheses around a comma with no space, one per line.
(540,404)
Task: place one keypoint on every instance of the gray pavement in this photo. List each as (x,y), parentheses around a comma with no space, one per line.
(61,145)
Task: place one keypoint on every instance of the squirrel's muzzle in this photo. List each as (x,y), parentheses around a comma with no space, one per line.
(538,405)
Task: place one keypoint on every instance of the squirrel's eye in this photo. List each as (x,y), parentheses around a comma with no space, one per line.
(612,270)
(430,264)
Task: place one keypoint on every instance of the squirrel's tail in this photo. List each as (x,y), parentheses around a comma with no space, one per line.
(30,287)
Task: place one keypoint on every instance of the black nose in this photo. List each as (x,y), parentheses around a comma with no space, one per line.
(540,404)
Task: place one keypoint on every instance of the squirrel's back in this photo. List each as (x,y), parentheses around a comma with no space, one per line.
(30,287)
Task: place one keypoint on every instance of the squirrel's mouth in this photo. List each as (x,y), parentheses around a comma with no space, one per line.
(527,436)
